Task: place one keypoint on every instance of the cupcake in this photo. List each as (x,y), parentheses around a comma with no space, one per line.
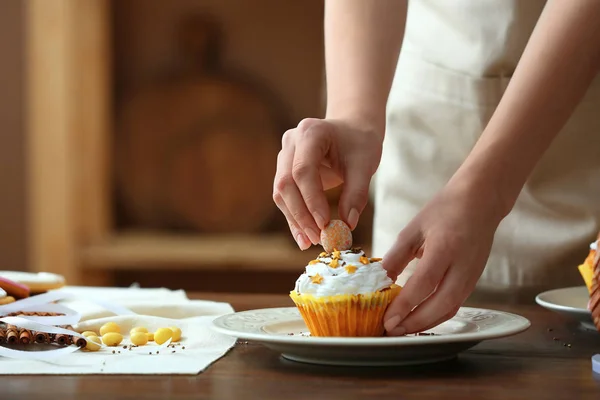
(587,268)
(344,293)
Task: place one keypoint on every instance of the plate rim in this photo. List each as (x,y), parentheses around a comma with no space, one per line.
(558,307)
(521,324)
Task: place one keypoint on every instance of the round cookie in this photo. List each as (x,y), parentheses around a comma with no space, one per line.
(13,288)
(39,282)
(336,236)
(6,300)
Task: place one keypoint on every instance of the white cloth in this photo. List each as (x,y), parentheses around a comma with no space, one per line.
(155,308)
(456,62)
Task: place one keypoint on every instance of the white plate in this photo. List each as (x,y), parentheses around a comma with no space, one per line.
(283,330)
(571,302)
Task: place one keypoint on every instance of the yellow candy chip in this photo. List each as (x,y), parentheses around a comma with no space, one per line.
(138,329)
(93,343)
(109,327)
(162,335)
(112,339)
(176,334)
(139,338)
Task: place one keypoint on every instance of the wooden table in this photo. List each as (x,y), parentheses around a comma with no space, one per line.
(536,364)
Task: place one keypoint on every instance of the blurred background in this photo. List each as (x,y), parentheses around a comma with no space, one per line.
(138,139)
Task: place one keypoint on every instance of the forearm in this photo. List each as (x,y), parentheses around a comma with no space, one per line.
(557,67)
(362,44)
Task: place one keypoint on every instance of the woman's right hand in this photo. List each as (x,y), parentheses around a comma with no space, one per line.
(318,155)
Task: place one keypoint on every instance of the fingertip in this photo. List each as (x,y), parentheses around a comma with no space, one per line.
(352,219)
(392,323)
(302,241)
(398,331)
(319,220)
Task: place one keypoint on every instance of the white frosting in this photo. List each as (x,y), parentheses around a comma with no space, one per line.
(594,245)
(2,293)
(29,277)
(367,278)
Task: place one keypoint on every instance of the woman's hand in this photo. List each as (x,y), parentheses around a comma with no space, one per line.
(452,236)
(319,155)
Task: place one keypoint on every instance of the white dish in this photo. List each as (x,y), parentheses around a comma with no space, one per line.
(283,330)
(571,301)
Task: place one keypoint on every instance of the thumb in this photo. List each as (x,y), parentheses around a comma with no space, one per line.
(408,246)
(355,193)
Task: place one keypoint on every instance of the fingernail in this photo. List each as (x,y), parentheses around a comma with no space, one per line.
(319,220)
(398,331)
(302,241)
(392,323)
(312,235)
(353,218)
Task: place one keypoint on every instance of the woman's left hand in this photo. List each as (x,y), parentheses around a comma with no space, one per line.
(452,236)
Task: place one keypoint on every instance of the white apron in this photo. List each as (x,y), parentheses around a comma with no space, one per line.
(455,64)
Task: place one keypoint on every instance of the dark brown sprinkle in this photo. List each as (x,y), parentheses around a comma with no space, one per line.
(119,351)
(173,352)
(149,352)
(124,347)
(550,329)
(425,334)
(113,352)
(156,352)
(183,348)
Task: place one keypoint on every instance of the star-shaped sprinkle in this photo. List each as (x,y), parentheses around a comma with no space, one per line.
(350,269)
(317,279)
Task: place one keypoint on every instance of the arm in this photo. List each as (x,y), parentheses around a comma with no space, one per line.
(362,44)
(454,232)
(559,62)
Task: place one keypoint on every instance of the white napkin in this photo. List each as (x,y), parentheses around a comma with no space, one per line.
(199,347)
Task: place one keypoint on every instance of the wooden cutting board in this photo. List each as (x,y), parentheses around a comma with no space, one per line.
(198,150)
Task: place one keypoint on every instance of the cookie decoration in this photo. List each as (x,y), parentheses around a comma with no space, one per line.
(336,236)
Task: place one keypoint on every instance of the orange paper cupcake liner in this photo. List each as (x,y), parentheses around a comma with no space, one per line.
(587,270)
(345,315)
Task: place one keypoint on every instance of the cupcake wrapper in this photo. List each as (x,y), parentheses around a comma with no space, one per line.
(587,270)
(345,315)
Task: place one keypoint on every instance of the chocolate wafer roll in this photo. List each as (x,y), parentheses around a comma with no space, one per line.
(80,342)
(12,334)
(61,340)
(2,335)
(24,336)
(42,337)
